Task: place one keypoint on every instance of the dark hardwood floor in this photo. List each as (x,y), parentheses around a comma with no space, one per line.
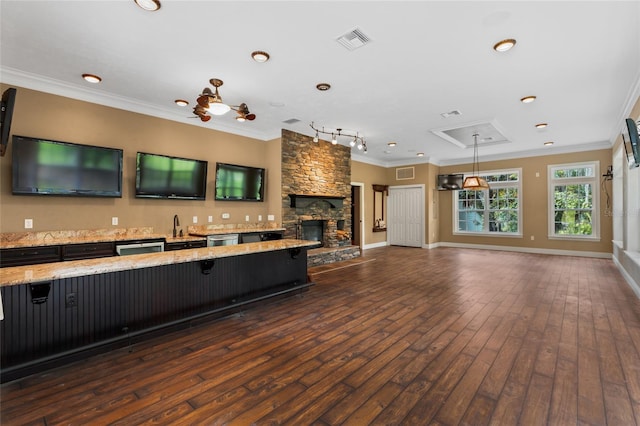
(402,336)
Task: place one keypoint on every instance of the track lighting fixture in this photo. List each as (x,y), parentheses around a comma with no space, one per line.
(210,103)
(357,140)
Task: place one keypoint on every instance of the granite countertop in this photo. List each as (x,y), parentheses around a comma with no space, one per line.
(17,275)
(55,238)
(206,230)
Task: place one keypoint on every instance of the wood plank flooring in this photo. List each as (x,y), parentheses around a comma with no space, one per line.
(410,337)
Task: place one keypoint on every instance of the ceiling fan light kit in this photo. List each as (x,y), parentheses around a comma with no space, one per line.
(210,103)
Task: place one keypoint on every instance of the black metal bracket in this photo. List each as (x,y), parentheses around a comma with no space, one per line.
(294,252)
(206,266)
(39,292)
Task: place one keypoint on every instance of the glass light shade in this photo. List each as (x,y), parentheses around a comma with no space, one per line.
(475,183)
(241,118)
(334,140)
(218,108)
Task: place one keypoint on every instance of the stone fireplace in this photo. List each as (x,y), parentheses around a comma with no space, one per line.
(316,191)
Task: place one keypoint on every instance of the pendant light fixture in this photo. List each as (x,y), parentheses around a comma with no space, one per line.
(475,182)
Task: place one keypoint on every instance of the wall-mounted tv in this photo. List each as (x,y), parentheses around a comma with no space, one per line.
(450,182)
(46,167)
(239,183)
(162,176)
(631,141)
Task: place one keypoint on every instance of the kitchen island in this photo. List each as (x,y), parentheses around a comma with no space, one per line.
(58,312)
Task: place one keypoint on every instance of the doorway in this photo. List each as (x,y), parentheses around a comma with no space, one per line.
(357,214)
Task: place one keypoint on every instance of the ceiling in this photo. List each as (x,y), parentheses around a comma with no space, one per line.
(424,59)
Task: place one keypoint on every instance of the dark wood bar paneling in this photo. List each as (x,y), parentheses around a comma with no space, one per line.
(83,313)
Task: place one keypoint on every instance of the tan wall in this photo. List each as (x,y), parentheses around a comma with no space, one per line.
(54,117)
(534,204)
(369,175)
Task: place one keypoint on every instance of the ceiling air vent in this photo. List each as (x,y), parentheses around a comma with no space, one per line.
(353,39)
(405,173)
(291,121)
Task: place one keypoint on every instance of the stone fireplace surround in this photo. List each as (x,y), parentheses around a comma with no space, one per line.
(316,185)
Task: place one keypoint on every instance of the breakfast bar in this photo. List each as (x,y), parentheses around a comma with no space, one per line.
(58,312)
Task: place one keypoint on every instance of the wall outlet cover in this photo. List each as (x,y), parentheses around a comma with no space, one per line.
(28,223)
(225,215)
(210,219)
(114,220)
(271,217)
(195,219)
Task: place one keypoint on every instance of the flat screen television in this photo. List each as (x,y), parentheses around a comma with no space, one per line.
(631,141)
(239,183)
(6,115)
(450,182)
(163,176)
(46,167)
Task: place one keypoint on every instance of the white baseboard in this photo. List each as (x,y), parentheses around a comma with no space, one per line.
(527,250)
(374,245)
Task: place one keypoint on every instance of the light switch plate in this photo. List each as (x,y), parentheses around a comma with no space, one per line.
(259,218)
(225,215)
(28,223)
(271,217)
(195,219)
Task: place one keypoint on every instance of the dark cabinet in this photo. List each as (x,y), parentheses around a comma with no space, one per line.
(29,255)
(181,245)
(88,250)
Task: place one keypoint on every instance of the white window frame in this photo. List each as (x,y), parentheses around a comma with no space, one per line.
(595,184)
(493,185)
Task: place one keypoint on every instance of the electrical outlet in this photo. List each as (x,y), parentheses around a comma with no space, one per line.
(114,220)
(271,217)
(195,219)
(28,223)
(246,218)
(225,215)
(259,218)
(210,219)
(533,238)
(71,300)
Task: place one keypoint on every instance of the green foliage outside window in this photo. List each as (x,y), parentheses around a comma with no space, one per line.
(495,210)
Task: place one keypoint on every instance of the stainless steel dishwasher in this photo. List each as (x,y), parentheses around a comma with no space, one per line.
(222,240)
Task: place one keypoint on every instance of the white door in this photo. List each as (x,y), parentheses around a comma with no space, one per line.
(406,216)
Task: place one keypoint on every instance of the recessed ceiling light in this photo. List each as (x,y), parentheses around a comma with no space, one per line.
(91,78)
(528,99)
(541,125)
(420,154)
(548,143)
(181,102)
(323,87)
(392,144)
(150,5)
(260,56)
(504,45)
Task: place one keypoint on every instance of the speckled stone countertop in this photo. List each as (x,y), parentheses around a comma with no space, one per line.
(54,238)
(17,275)
(205,230)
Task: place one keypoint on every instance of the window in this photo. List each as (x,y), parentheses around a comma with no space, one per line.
(573,201)
(495,211)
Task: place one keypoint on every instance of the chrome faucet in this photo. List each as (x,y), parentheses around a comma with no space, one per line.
(176,222)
